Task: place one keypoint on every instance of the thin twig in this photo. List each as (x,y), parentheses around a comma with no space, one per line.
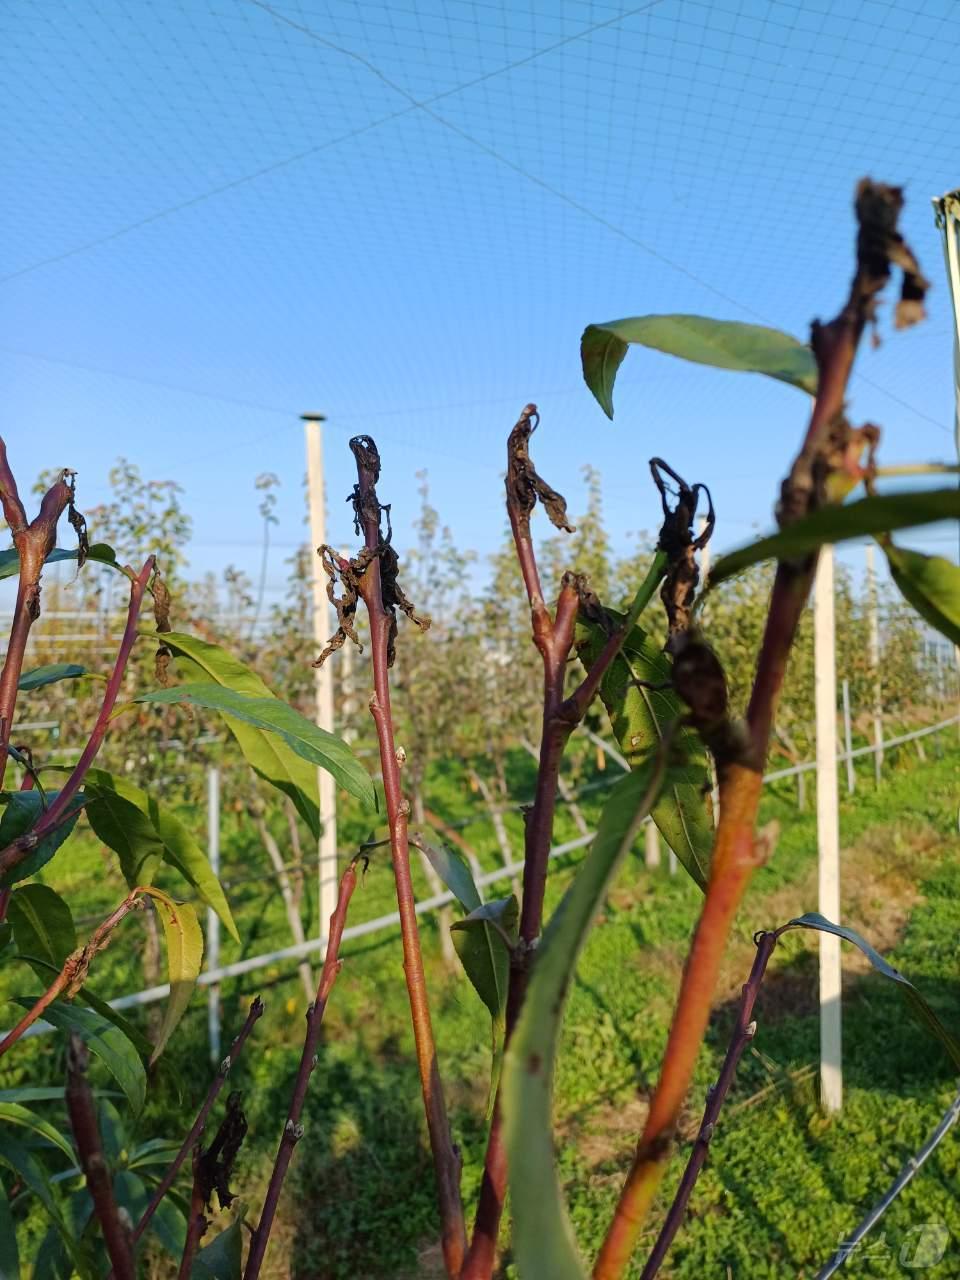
(197,1223)
(193,1137)
(82,1111)
(33,540)
(743,1032)
(59,810)
(293,1129)
(380,595)
(826,451)
(74,971)
(906,1175)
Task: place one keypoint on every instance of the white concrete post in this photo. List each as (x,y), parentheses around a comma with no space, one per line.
(651,843)
(213,920)
(327,860)
(828,832)
(848,739)
(873,646)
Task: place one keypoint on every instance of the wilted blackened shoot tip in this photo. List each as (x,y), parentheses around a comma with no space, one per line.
(524,485)
(677,540)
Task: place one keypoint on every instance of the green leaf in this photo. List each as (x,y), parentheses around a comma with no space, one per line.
(22,812)
(639,718)
(267,754)
(50,674)
(921,1010)
(33,1175)
(14,1113)
(9,1254)
(44,1093)
(42,924)
(724,344)
(873,516)
(220,1259)
(483,952)
(931,584)
(306,739)
(454,870)
(155,1151)
(133,824)
(184,940)
(168,1224)
(104,1040)
(98,552)
(543,1240)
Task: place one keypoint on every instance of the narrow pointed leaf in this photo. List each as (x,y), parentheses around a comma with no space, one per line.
(30,1171)
(483,952)
(639,718)
(50,674)
(919,1006)
(42,924)
(22,812)
(266,753)
(14,1113)
(305,738)
(454,870)
(931,584)
(9,1254)
(143,833)
(724,344)
(184,940)
(105,1041)
(98,552)
(868,516)
(543,1238)
(220,1259)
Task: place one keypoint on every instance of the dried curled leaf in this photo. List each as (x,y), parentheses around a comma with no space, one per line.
(880,244)
(524,485)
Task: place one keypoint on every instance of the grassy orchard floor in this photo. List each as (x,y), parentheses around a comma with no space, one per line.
(782,1184)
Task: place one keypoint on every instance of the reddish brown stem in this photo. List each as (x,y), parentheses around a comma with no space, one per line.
(743,1033)
(553,637)
(446,1157)
(33,540)
(59,810)
(293,1129)
(74,970)
(192,1139)
(82,1111)
(734,861)
(197,1223)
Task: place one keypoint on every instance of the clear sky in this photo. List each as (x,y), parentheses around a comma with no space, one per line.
(220,213)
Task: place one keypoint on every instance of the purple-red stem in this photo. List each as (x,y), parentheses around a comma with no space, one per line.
(446,1157)
(292,1129)
(553,637)
(58,812)
(74,968)
(743,1033)
(33,540)
(82,1111)
(196,1224)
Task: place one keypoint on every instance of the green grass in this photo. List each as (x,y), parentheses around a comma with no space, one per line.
(782,1183)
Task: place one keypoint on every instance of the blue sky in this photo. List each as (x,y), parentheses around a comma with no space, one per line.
(219,213)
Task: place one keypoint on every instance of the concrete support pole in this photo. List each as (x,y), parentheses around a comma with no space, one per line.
(213,920)
(651,844)
(848,739)
(828,832)
(327,861)
(873,644)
